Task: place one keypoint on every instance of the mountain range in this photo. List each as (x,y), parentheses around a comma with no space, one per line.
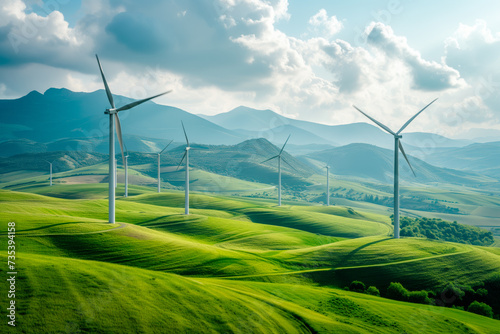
(62,120)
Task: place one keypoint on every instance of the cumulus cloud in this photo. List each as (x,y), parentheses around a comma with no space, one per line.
(322,24)
(219,54)
(427,75)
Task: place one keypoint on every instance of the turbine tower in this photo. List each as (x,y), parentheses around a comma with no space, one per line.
(397,147)
(279,168)
(159,157)
(327,185)
(50,170)
(186,155)
(125,162)
(113,117)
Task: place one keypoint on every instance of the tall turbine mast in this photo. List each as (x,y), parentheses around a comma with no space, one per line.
(159,168)
(397,147)
(279,168)
(186,156)
(113,117)
(50,172)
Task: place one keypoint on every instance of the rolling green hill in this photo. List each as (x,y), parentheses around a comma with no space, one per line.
(234,265)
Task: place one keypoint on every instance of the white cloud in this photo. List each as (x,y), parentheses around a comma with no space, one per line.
(427,75)
(324,25)
(225,53)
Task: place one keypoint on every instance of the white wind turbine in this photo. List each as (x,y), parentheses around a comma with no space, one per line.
(125,165)
(327,185)
(50,170)
(397,147)
(159,157)
(279,168)
(113,117)
(186,155)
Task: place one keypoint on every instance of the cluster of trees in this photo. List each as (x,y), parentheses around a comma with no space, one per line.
(438,229)
(461,297)
(412,202)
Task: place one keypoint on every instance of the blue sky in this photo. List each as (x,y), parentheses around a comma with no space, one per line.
(305,59)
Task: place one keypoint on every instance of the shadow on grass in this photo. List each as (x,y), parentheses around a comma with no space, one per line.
(349,256)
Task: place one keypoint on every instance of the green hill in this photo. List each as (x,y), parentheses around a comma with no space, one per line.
(233,265)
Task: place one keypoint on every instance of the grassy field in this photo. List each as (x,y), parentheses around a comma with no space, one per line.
(234,265)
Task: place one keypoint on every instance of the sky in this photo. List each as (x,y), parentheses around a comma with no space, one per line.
(309,60)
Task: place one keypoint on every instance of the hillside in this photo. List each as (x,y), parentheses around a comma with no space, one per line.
(372,162)
(279,269)
(37,117)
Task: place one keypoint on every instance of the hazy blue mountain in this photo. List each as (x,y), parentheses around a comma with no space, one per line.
(372,162)
(19,146)
(62,161)
(60,113)
(265,121)
(478,157)
(423,139)
(279,134)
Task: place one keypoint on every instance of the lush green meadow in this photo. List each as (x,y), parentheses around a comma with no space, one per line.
(234,265)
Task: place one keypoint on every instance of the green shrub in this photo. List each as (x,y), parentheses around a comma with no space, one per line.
(481,309)
(357,286)
(420,297)
(396,291)
(371,290)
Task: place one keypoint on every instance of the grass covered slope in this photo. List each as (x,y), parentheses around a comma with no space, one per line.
(246,266)
(69,295)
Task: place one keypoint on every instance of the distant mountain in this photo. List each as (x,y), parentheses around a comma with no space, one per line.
(372,162)
(280,133)
(479,157)
(19,146)
(423,139)
(62,161)
(266,123)
(242,161)
(60,113)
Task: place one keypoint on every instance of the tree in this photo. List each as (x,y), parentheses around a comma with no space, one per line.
(397,291)
(357,286)
(371,290)
(481,309)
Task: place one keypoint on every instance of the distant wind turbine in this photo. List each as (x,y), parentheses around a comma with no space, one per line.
(159,170)
(397,147)
(125,162)
(113,117)
(186,155)
(327,185)
(279,168)
(50,170)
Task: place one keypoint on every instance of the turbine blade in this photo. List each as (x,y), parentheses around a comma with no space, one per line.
(185,152)
(411,119)
(166,146)
(406,158)
(119,135)
(185,135)
(288,164)
(270,159)
(108,91)
(285,144)
(136,103)
(376,122)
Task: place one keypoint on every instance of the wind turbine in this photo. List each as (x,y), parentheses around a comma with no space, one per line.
(113,117)
(279,168)
(125,162)
(327,185)
(159,156)
(186,155)
(397,147)
(50,169)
